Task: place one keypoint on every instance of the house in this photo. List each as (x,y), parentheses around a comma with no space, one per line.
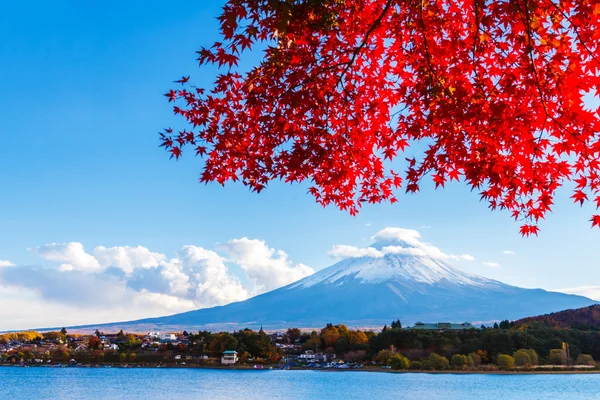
(229,357)
(443,326)
(168,337)
(311,356)
(81,347)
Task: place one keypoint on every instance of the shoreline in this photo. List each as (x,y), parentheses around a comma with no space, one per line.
(266,369)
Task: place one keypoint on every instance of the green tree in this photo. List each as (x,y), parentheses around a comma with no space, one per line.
(63,331)
(396,324)
(505,361)
(470,362)
(384,356)
(475,358)
(557,357)
(293,335)
(533,356)
(585,359)
(458,361)
(437,362)
(122,357)
(398,361)
(522,358)
(504,324)
(314,342)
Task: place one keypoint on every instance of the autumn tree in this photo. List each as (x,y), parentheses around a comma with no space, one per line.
(94,343)
(492,93)
(330,335)
(357,338)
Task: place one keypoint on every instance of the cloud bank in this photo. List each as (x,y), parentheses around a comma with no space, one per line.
(397,241)
(125,282)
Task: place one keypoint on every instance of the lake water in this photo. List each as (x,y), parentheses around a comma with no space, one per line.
(184,384)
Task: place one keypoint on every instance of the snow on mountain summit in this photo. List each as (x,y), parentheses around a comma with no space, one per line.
(400,262)
(399,255)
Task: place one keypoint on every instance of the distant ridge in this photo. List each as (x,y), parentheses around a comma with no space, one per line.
(583,318)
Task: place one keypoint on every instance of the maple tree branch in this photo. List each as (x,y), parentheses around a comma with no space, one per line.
(476,39)
(537,80)
(426,47)
(358,49)
(539,88)
(575,29)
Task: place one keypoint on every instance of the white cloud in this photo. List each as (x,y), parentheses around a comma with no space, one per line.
(202,275)
(72,255)
(127,258)
(400,241)
(344,251)
(26,308)
(509,252)
(409,251)
(266,268)
(463,257)
(592,292)
(491,264)
(409,236)
(149,283)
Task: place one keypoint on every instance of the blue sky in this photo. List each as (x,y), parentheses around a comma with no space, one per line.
(81,105)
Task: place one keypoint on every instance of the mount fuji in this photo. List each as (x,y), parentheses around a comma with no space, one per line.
(397,277)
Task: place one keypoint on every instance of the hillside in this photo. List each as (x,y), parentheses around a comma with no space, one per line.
(581,318)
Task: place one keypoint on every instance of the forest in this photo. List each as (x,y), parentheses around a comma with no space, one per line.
(505,345)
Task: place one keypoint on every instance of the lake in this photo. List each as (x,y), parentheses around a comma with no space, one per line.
(184,384)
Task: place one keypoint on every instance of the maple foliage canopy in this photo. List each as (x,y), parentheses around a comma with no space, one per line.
(495,89)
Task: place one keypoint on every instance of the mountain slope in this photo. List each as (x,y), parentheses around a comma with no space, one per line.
(402,281)
(584,318)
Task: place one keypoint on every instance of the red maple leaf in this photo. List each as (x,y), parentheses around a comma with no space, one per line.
(494,89)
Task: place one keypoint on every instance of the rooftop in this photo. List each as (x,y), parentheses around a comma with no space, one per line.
(443,326)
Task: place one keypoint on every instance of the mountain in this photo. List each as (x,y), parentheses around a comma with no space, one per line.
(581,318)
(402,279)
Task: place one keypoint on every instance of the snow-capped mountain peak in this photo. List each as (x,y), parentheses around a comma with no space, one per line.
(397,261)
(398,276)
